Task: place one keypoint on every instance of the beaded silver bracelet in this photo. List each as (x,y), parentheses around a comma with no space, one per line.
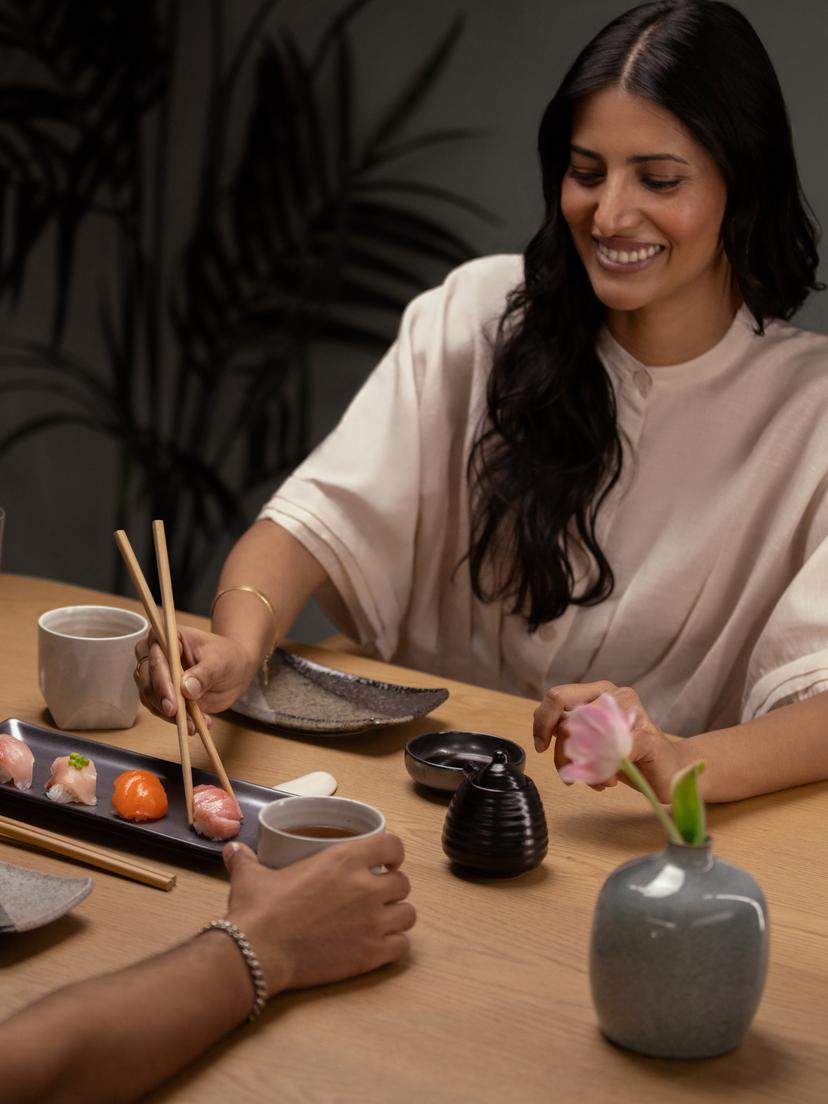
(250,959)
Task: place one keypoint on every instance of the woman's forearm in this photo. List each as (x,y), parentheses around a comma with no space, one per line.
(114,1038)
(268,558)
(786,747)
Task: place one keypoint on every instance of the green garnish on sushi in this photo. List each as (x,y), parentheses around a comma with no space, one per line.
(78,761)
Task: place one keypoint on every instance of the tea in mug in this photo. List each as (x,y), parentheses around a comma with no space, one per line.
(321,831)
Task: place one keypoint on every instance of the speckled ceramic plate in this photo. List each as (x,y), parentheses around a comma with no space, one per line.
(306,697)
(29,899)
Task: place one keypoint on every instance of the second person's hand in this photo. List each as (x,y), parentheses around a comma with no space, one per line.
(327,917)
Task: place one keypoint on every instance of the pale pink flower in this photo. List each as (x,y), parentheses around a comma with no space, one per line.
(600,738)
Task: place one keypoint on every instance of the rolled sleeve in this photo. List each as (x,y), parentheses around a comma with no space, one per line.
(790,659)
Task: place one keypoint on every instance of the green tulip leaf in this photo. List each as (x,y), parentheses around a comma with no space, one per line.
(688,804)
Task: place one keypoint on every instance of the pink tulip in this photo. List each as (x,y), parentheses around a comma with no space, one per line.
(600,739)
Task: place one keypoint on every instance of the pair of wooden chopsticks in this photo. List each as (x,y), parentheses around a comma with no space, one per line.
(169,632)
(73,849)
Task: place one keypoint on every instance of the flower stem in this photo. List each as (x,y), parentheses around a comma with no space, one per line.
(638,779)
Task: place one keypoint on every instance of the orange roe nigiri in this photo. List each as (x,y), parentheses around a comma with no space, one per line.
(139,795)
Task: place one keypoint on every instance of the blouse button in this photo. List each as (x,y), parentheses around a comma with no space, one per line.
(643,381)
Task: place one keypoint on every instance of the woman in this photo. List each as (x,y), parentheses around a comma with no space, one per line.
(603,466)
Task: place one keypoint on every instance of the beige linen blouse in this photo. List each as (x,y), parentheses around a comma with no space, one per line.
(716,531)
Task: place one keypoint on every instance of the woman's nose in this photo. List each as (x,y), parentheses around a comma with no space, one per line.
(616,209)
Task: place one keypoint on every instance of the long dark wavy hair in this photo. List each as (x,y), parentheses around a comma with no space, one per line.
(548,451)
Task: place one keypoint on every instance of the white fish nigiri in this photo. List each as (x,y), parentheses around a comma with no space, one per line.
(73,779)
(16,762)
(215,814)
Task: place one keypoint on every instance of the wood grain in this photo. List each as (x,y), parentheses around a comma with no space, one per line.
(494,1004)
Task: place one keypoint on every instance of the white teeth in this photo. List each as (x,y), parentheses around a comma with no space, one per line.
(624,257)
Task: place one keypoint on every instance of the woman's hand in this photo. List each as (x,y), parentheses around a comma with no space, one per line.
(657,757)
(326,918)
(217,671)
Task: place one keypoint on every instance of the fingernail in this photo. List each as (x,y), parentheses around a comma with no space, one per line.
(192,686)
(168,707)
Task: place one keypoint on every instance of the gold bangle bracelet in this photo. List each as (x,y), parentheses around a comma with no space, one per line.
(264,598)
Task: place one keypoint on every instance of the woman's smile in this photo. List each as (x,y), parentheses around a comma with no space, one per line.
(625,257)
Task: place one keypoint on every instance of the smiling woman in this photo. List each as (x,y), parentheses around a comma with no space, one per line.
(647,226)
(601,467)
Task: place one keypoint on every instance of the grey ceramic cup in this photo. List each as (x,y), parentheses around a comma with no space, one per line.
(86,662)
(279,847)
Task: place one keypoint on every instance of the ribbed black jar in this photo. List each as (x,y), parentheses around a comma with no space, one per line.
(495,825)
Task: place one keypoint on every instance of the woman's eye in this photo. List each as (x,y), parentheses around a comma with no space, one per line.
(659,184)
(585,176)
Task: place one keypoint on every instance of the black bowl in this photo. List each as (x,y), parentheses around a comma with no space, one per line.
(437,759)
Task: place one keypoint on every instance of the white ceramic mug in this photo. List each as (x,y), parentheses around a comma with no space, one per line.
(86,661)
(279,845)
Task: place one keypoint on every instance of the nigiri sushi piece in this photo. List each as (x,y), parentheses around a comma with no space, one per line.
(16,762)
(215,814)
(73,780)
(139,795)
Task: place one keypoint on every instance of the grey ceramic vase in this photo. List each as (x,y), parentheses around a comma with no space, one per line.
(679,953)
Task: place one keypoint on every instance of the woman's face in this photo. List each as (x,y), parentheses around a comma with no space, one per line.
(644,202)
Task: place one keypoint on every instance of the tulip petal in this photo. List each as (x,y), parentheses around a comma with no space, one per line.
(600,737)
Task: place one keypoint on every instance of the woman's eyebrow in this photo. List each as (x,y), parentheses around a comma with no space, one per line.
(639,157)
(636,159)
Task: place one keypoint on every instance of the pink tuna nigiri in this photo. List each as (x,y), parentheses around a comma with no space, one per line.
(215,814)
(16,762)
(73,780)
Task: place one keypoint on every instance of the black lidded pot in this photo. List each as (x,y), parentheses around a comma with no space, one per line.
(495,825)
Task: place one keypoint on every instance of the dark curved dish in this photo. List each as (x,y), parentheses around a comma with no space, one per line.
(304,696)
(437,759)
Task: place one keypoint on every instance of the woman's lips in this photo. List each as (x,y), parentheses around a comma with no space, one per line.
(626,256)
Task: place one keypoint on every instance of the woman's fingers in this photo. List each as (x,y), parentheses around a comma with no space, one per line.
(559,750)
(215,672)
(557,701)
(160,682)
(651,750)
(152,676)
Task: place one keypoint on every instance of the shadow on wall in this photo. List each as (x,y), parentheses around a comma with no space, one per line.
(180,333)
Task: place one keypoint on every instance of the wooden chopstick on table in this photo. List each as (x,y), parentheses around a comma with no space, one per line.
(73,849)
(148,602)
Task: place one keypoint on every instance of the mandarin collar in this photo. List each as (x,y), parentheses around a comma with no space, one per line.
(712,362)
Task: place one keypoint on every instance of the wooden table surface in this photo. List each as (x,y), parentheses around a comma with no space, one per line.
(494,1003)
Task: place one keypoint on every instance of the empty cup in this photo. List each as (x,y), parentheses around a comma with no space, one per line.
(86,662)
